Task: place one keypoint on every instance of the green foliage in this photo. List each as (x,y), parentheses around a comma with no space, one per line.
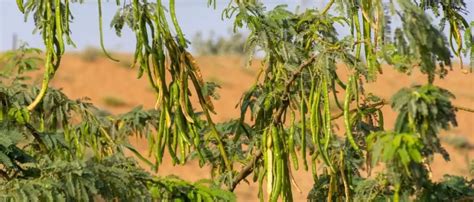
(78,161)
(427,44)
(372,189)
(402,157)
(57,147)
(425,110)
(113,178)
(67,150)
(471,167)
(11,156)
(396,150)
(110,178)
(450,188)
(172,188)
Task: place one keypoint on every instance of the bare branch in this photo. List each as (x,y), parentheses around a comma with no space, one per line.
(463,109)
(246,171)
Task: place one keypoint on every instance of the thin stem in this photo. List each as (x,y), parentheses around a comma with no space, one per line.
(331,188)
(101,32)
(42,92)
(463,109)
(339,115)
(367,18)
(344,179)
(328,6)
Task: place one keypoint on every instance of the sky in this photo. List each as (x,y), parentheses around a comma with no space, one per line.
(193,15)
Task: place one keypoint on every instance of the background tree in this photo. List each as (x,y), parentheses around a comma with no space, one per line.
(233,45)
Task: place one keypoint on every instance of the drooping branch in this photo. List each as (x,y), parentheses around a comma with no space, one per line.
(247,170)
(277,118)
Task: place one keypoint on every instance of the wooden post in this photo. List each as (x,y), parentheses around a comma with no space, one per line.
(14,41)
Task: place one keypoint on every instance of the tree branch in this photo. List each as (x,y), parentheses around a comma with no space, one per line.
(246,171)
(286,102)
(381,103)
(463,109)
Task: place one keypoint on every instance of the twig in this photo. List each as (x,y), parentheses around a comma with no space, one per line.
(463,109)
(328,6)
(293,181)
(344,180)
(381,103)
(245,171)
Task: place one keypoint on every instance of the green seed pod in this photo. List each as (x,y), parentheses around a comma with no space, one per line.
(291,142)
(59,24)
(303,124)
(327,112)
(269,163)
(19,3)
(277,187)
(347,121)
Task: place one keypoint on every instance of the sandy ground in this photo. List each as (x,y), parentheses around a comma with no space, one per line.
(104,79)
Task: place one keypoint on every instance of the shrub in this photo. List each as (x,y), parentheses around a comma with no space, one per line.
(52,147)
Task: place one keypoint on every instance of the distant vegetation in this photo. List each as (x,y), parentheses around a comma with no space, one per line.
(232,45)
(91,54)
(114,101)
(20,60)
